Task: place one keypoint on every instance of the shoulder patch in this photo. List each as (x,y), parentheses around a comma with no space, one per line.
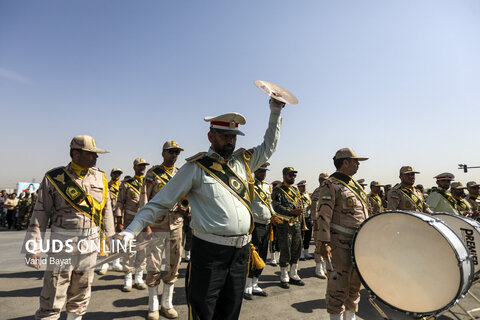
(149,178)
(196,157)
(326,197)
(395,195)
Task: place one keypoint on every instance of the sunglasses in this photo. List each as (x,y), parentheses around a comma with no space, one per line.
(292,175)
(174,151)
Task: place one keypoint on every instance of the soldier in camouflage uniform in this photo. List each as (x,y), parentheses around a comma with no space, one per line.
(463,206)
(113,188)
(342,207)
(127,207)
(375,204)
(25,208)
(288,207)
(320,265)
(474,197)
(405,196)
(168,232)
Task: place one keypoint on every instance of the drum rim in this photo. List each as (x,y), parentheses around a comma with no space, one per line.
(476,226)
(459,291)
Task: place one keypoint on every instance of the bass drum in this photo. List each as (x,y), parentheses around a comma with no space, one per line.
(412,262)
(468,230)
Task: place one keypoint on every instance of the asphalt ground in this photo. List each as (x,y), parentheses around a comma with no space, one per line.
(20,288)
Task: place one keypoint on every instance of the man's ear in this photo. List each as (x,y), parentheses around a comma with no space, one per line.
(210,136)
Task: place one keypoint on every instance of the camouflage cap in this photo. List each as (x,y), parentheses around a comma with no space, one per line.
(116,170)
(86,143)
(347,153)
(471,184)
(302,183)
(264,166)
(323,176)
(376,184)
(457,185)
(445,176)
(407,169)
(138,161)
(171,144)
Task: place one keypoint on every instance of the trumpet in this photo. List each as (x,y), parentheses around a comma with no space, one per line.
(182,204)
(304,223)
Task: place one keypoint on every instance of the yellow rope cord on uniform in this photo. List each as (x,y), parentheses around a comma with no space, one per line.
(259,263)
(247,156)
(98,207)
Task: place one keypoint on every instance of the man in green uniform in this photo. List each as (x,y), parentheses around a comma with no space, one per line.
(286,201)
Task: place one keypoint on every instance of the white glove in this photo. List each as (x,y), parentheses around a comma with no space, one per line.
(276,106)
(126,236)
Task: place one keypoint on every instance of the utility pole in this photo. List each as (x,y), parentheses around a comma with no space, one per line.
(465,167)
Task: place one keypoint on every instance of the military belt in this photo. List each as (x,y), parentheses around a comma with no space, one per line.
(341,229)
(75,232)
(231,241)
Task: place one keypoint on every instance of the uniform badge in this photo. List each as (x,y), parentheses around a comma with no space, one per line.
(235,184)
(160,186)
(326,197)
(133,195)
(72,193)
(350,202)
(408,205)
(60,178)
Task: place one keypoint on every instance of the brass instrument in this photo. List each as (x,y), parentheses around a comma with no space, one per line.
(103,244)
(182,204)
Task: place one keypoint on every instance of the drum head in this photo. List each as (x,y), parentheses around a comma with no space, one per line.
(407,263)
(468,230)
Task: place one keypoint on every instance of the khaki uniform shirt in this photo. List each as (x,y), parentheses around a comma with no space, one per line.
(314,205)
(151,185)
(339,206)
(438,203)
(262,213)
(375,204)
(51,205)
(397,200)
(113,195)
(127,201)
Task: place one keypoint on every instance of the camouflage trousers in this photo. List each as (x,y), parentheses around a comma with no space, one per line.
(290,243)
(71,283)
(136,261)
(342,293)
(318,244)
(171,244)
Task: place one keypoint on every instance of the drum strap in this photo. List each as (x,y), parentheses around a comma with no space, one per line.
(448,197)
(412,197)
(341,229)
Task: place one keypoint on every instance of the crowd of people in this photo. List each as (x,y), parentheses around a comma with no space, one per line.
(15,211)
(217,212)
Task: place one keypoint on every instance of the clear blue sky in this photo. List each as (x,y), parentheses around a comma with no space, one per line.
(396,80)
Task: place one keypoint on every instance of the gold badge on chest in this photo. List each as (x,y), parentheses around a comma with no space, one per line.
(350,202)
(235,184)
(72,193)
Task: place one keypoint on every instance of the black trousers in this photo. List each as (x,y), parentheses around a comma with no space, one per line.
(215,280)
(260,238)
(307,234)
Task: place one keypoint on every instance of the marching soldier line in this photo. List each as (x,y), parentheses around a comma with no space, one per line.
(234,219)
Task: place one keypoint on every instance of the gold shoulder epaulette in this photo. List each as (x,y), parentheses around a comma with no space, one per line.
(196,157)
(239,152)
